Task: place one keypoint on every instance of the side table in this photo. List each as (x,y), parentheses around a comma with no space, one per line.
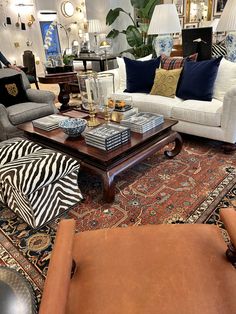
(63,80)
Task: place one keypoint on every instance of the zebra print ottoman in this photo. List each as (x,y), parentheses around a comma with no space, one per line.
(15,148)
(40,186)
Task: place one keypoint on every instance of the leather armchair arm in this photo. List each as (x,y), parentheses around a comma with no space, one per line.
(57,283)
(40,96)
(228,216)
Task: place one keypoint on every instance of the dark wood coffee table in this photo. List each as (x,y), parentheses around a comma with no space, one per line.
(109,164)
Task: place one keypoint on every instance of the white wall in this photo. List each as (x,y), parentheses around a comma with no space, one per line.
(11,34)
(102,8)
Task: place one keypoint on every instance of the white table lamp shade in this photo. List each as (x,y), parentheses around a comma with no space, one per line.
(95,26)
(227,20)
(164,20)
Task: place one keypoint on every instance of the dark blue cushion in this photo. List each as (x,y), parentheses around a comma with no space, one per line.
(197,79)
(140,75)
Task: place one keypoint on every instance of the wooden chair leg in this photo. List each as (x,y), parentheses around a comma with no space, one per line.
(229,148)
(36,83)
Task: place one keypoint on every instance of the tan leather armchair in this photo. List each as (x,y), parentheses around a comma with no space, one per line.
(164,269)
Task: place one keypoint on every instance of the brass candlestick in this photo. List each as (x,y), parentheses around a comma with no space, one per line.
(93,121)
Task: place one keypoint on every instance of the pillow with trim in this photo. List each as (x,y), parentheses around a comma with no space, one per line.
(197,79)
(12,90)
(122,69)
(170,63)
(140,75)
(165,82)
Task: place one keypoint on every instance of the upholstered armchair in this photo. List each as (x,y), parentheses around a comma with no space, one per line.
(164,269)
(39,103)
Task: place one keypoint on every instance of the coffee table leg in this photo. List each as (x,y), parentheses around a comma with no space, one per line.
(64,96)
(178,145)
(108,187)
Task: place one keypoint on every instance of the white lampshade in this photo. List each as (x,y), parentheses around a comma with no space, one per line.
(214,25)
(227,20)
(95,26)
(164,20)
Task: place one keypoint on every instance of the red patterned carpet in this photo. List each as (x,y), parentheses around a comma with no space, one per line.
(187,189)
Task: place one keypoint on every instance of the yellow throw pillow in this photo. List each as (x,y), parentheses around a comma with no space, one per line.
(165,82)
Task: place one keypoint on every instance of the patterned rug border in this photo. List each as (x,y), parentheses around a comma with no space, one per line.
(207,207)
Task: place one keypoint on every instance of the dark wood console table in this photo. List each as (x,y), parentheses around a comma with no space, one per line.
(63,79)
(94,57)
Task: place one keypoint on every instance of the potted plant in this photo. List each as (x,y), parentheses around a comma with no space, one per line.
(68,63)
(136,33)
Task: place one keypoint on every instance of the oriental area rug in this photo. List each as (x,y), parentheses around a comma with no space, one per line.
(190,188)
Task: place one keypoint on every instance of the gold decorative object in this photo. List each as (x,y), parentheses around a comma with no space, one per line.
(89,95)
(31,20)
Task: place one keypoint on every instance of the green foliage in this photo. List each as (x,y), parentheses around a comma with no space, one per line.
(67,59)
(136,36)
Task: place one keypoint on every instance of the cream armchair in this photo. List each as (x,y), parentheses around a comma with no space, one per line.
(40,103)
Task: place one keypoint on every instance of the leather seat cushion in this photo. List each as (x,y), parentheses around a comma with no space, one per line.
(152,269)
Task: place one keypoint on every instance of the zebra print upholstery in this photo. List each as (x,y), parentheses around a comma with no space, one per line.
(15,148)
(40,186)
(218,50)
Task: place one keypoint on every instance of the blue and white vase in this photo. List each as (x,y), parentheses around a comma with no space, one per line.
(230,44)
(163,45)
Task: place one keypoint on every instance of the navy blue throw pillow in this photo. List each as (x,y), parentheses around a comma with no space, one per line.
(12,90)
(140,75)
(197,79)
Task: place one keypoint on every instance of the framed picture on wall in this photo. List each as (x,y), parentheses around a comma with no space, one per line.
(180,6)
(219,7)
(191,25)
(55,48)
(181,20)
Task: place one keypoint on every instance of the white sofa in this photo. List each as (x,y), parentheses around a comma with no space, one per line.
(214,119)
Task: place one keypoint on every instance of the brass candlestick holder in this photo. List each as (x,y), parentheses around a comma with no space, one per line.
(93,121)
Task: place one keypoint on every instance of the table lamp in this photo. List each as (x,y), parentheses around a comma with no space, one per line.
(164,21)
(95,27)
(105,45)
(227,23)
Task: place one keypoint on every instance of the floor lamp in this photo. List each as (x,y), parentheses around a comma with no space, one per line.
(227,23)
(164,22)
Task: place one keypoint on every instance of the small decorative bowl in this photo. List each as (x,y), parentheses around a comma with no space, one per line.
(73,127)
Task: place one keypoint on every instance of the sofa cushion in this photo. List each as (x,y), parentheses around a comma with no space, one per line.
(199,112)
(28,111)
(140,75)
(169,63)
(165,82)
(197,79)
(12,90)
(225,79)
(153,103)
(122,69)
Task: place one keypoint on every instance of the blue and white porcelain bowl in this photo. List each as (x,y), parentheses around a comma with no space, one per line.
(73,127)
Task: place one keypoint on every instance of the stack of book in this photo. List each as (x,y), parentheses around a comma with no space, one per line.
(48,123)
(107,136)
(117,116)
(143,121)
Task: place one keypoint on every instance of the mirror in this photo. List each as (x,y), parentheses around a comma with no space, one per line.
(198,11)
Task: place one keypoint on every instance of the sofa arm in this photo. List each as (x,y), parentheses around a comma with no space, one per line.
(5,124)
(40,96)
(229,115)
(56,287)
